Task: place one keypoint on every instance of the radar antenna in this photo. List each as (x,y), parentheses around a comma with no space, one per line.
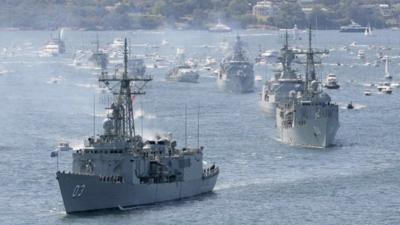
(310,61)
(122,110)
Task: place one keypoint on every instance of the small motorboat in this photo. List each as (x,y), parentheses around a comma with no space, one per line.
(258,78)
(367,93)
(385,88)
(350,106)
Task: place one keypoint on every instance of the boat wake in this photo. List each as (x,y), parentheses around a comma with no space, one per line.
(356,106)
(55,80)
(242,184)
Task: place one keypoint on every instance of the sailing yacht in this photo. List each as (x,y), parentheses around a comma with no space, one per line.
(387,74)
(368,30)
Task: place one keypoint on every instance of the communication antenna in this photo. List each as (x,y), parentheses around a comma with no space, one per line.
(141,121)
(185,126)
(94,115)
(198,127)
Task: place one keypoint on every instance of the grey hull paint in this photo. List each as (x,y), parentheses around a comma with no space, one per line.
(316,132)
(268,107)
(237,84)
(87,192)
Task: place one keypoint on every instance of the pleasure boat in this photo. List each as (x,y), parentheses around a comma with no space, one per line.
(353,27)
(384,88)
(220,27)
(331,82)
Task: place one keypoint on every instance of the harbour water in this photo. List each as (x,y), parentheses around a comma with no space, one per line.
(46,100)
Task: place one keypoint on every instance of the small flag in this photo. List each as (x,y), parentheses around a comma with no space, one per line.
(133,97)
(54,154)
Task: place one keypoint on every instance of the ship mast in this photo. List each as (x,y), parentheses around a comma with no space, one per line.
(286,45)
(286,60)
(238,52)
(310,62)
(122,110)
(310,65)
(97,44)
(286,57)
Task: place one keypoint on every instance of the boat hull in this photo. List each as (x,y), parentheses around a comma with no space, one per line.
(237,84)
(352,30)
(310,128)
(268,107)
(88,192)
(332,86)
(188,77)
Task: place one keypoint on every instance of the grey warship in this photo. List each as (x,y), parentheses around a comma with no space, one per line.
(276,91)
(309,119)
(236,73)
(136,66)
(119,169)
(99,58)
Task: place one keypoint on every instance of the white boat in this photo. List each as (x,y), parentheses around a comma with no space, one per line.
(80,57)
(331,82)
(384,88)
(367,93)
(118,43)
(395,85)
(387,90)
(220,27)
(50,49)
(361,54)
(183,73)
(64,146)
(353,27)
(268,56)
(164,42)
(158,58)
(55,46)
(210,62)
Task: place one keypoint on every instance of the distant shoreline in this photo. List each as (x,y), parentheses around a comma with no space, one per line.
(170,29)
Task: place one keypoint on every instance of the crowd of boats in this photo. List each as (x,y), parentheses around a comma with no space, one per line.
(139,170)
(303,111)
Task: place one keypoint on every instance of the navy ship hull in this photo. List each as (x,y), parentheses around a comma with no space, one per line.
(268,107)
(237,84)
(82,193)
(318,133)
(314,127)
(99,60)
(236,77)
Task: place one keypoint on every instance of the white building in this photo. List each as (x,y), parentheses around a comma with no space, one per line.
(263,9)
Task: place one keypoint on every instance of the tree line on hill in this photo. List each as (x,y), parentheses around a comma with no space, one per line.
(190,14)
